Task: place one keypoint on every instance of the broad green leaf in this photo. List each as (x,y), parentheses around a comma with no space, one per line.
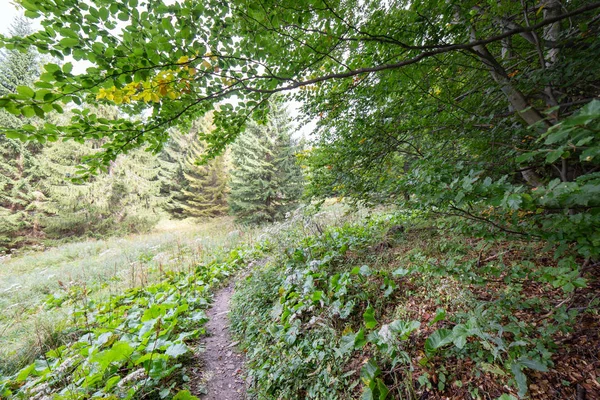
(369,318)
(369,371)
(520,378)
(532,364)
(69,42)
(176,350)
(67,68)
(26,91)
(437,339)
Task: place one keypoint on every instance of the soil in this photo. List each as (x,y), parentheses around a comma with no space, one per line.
(222,371)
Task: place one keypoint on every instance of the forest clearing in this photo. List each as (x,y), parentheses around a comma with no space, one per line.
(264,199)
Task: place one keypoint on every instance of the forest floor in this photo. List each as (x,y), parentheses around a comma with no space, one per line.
(332,305)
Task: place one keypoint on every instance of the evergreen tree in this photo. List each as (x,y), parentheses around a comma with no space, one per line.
(19,169)
(198,191)
(266,180)
(122,200)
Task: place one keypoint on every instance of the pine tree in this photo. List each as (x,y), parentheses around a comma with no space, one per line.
(19,169)
(266,180)
(198,191)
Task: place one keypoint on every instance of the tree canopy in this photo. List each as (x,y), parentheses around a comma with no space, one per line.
(203,53)
(410,96)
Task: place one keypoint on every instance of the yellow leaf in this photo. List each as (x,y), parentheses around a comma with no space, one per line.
(183,60)
(540,9)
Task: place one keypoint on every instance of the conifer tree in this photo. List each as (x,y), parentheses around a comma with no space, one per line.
(124,199)
(266,180)
(198,191)
(19,169)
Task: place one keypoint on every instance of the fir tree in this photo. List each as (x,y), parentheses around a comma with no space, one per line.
(19,169)
(266,180)
(198,191)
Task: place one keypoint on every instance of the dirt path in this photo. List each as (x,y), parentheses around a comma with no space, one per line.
(222,365)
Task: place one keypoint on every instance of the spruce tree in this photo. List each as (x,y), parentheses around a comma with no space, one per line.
(198,191)
(266,180)
(19,169)
(124,199)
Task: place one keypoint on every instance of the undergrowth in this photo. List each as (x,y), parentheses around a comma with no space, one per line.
(35,284)
(393,307)
(131,347)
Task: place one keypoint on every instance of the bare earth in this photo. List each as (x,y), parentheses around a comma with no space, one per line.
(222,364)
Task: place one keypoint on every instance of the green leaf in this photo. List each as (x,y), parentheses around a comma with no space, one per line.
(177,350)
(103,12)
(28,112)
(525,157)
(155,311)
(359,339)
(24,373)
(440,315)
(514,201)
(532,364)
(437,339)
(26,91)
(67,68)
(369,318)
(554,155)
(520,378)
(69,42)
(400,272)
(347,344)
(507,397)
(558,136)
(404,329)
(16,135)
(38,111)
(369,371)
(367,394)
(119,351)
(382,389)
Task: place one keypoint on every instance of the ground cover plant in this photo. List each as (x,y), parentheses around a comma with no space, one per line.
(374,311)
(38,284)
(127,347)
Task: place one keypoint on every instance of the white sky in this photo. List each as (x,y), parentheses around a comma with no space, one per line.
(7,13)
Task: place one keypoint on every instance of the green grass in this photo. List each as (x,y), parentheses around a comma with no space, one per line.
(102,267)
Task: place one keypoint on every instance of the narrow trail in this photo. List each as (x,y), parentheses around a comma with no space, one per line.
(222,366)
